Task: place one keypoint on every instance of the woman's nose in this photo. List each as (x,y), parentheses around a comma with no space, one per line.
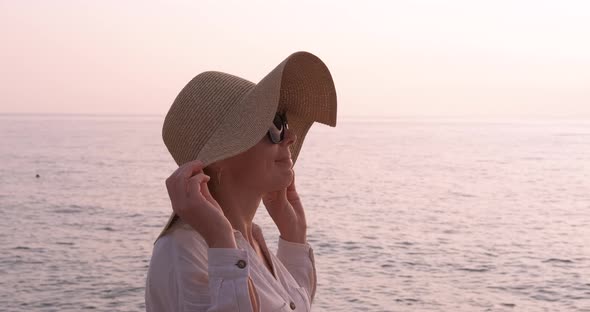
(290,137)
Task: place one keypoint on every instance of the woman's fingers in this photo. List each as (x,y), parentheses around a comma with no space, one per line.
(195,184)
(270,196)
(199,190)
(179,179)
(191,200)
(206,193)
(190,168)
(291,186)
(184,183)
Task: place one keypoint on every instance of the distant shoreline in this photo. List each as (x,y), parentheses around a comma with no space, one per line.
(340,115)
(82,114)
(342,118)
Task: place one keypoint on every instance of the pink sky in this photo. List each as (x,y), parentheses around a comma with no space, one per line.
(492,58)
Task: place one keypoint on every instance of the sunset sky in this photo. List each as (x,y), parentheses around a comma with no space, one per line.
(387,58)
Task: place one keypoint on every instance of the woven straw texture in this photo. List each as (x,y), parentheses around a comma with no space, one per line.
(218,115)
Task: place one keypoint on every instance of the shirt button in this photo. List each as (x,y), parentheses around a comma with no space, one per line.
(292,305)
(241,264)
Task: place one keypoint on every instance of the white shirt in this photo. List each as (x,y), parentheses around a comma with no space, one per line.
(186,275)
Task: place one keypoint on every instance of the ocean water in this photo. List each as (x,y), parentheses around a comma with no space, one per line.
(404,214)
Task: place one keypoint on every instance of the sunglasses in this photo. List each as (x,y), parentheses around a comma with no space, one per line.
(276,133)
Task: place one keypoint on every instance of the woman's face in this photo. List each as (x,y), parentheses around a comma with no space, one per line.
(265,167)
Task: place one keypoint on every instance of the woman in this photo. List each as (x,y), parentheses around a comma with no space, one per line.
(235,143)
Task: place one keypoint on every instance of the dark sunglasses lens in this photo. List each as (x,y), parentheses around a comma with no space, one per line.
(278,122)
(275,135)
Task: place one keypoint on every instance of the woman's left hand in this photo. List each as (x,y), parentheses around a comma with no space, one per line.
(286,210)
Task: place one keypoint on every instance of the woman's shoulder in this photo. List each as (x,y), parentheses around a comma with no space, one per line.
(181,239)
(179,263)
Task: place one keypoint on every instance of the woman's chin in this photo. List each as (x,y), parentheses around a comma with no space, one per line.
(284,180)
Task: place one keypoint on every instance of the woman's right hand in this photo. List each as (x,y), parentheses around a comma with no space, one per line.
(192,202)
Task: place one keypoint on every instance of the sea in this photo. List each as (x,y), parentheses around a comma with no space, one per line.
(404,213)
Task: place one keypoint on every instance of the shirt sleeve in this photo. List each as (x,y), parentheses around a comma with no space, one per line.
(184,277)
(300,262)
(229,270)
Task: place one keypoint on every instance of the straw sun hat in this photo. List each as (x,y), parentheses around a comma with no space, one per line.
(218,115)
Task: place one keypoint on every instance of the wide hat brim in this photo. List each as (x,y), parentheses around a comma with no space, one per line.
(301,86)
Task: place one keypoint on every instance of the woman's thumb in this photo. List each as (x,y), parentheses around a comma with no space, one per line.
(205,191)
(195,185)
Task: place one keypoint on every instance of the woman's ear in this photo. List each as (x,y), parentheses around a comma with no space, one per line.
(214,171)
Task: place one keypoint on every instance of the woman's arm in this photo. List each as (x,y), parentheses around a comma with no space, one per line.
(181,277)
(286,210)
(186,275)
(299,261)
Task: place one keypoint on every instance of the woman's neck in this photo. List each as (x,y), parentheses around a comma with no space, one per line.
(239,206)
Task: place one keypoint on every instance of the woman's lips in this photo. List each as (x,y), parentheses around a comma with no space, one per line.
(285,161)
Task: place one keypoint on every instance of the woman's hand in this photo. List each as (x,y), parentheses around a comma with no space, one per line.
(286,210)
(191,200)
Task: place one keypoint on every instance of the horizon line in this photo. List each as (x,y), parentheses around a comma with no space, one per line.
(576,116)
